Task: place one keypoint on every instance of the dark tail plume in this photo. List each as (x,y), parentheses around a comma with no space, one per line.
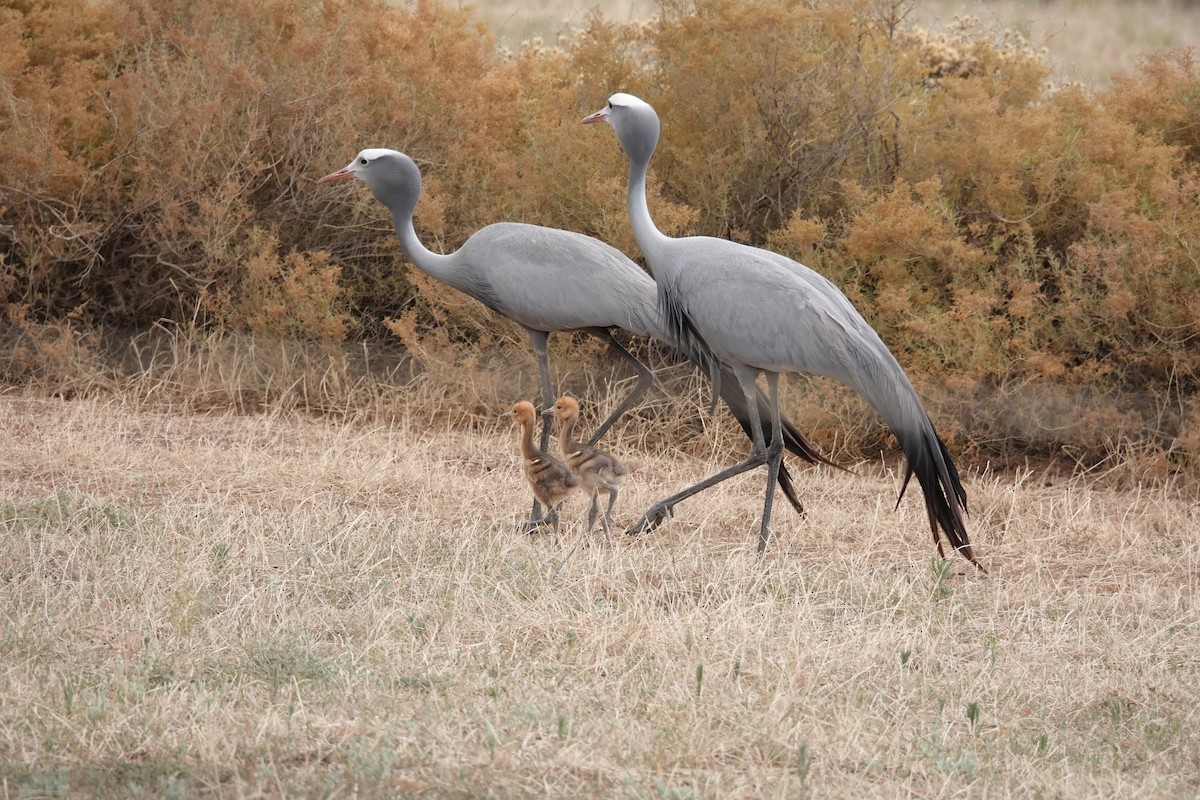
(926,457)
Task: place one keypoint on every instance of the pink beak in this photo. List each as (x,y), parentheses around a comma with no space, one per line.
(343,174)
(592,119)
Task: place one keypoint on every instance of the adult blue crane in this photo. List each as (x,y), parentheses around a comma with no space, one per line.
(756,312)
(545,280)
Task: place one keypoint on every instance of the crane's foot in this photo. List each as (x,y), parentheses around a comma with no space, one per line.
(656,515)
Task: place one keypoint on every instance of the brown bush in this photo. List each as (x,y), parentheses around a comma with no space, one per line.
(765,105)
(1018,244)
(156,142)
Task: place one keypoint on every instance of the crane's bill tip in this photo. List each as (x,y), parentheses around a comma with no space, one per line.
(592,119)
(343,174)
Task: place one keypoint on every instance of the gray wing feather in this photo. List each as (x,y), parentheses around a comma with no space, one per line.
(758,308)
(549,279)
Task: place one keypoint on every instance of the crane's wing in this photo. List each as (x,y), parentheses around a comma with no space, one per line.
(554,280)
(754,307)
(680,332)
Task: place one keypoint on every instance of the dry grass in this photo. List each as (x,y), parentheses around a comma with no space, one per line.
(233,606)
(1085,40)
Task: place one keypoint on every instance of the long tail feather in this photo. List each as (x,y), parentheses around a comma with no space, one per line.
(789,489)
(926,457)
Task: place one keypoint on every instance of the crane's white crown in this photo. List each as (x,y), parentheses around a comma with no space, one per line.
(627,100)
(372,153)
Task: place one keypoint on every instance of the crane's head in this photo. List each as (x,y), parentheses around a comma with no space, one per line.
(635,123)
(390,175)
(522,413)
(565,408)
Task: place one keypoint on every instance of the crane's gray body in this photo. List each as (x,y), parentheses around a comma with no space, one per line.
(763,310)
(758,312)
(545,279)
(548,279)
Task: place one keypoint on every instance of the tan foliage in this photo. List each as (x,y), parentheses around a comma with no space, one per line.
(57,356)
(158,157)
(922,276)
(764,104)
(296,296)
(1161,98)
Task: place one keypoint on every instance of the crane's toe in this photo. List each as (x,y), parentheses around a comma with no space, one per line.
(656,515)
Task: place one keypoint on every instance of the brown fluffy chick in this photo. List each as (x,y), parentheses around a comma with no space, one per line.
(599,472)
(552,480)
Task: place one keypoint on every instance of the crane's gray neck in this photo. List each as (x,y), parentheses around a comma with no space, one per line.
(637,129)
(433,264)
(395,181)
(648,236)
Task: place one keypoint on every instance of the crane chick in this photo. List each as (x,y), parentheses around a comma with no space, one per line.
(552,480)
(598,471)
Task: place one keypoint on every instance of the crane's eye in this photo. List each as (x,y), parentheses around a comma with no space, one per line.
(362,161)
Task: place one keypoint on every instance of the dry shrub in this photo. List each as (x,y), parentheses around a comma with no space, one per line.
(1046,249)
(297,296)
(766,104)
(1162,99)
(154,144)
(59,357)
(1012,240)
(921,275)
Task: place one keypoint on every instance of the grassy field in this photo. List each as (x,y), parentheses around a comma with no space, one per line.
(1085,40)
(332,603)
(217,605)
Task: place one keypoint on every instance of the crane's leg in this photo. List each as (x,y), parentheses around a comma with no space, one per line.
(657,513)
(645,378)
(539,339)
(774,458)
(747,377)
